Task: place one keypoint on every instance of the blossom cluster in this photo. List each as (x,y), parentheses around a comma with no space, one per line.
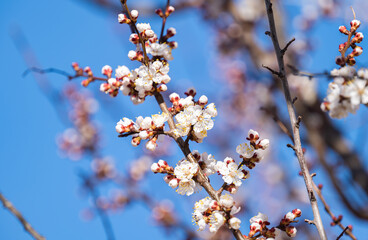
(252,153)
(193,118)
(143,129)
(353,38)
(210,212)
(259,223)
(181,177)
(348,90)
(138,83)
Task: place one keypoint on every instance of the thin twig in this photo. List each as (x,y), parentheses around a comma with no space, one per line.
(26,225)
(342,234)
(298,146)
(161,39)
(329,212)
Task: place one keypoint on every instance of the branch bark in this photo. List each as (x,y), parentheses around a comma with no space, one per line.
(293,121)
(26,225)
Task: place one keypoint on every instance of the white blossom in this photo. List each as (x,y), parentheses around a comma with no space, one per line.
(230,172)
(234,223)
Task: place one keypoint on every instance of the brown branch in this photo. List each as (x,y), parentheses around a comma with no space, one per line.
(298,146)
(328,210)
(201,178)
(342,234)
(26,225)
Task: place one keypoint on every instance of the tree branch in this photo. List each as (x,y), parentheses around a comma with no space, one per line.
(26,225)
(298,147)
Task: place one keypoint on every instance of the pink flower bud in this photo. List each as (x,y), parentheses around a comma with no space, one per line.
(123,19)
(174,97)
(106,70)
(343,30)
(85,82)
(342,46)
(155,168)
(355,24)
(104,87)
(358,37)
(162,163)
(134,38)
(357,51)
(136,141)
(291,231)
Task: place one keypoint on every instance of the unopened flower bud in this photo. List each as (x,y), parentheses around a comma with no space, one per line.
(253,135)
(350,61)
(155,168)
(264,143)
(123,19)
(149,33)
(174,183)
(174,97)
(134,13)
(343,30)
(173,44)
(234,223)
(191,92)
(355,24)
(203,100)
(136,141)
(132,55)
(226,201)
(144,135)
(106,70)
(339,61)
(75,66)
(171,32)
(134,38)
(162,163)
(85,82)
(291,231)
(159,12)
(104,87)
(162,88)
(342,46)
(169,10)
(358,37)
(357,51)
(297,212)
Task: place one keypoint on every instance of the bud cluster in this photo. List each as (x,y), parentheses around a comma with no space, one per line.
(215,214)
(252,153)
(353,38)
(138,83)
(143,129)
(260,222)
